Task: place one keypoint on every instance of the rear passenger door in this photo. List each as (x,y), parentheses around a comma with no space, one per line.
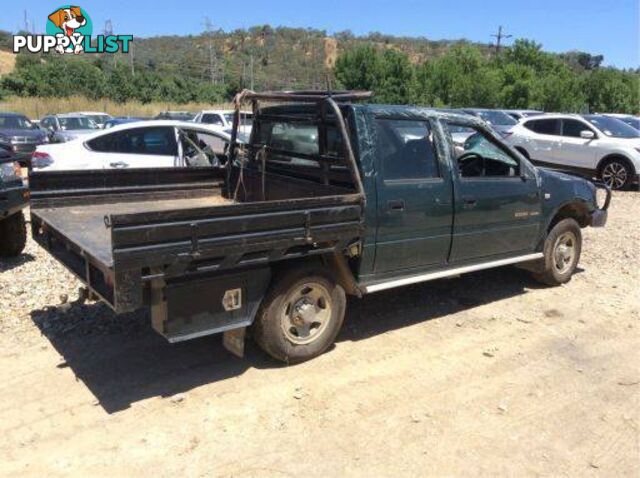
(149,147)
(544,142)
(414,193)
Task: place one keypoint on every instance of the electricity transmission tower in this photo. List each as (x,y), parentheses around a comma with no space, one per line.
(216,69)
(499,37)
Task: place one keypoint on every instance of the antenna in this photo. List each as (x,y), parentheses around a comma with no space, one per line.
(499,37)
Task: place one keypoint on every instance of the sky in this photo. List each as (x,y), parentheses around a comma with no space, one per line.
(607,27)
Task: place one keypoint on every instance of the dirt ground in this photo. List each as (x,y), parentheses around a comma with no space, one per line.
(488,374)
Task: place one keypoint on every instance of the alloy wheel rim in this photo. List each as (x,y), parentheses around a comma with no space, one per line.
(614,175)
(306,313)
(564,252)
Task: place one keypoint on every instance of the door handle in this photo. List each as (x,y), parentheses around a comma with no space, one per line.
(118,164)
(469,202)
(396,205)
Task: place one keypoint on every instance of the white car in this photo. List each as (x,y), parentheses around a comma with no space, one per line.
(594,145)
(224,119)
(144,144)
(98,117)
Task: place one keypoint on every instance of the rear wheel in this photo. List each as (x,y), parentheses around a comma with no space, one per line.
(562,249)
(300,316)
(13,235)
(616,173)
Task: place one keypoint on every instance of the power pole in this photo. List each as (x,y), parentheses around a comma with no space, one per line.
(499,37)
(216,68)
(251,73)
(26,22)
(131,59)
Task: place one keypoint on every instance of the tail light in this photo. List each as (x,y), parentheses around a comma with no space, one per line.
(40,159)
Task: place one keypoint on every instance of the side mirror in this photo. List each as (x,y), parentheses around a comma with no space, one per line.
(586,134)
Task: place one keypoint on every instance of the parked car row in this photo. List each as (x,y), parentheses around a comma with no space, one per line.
(602,146)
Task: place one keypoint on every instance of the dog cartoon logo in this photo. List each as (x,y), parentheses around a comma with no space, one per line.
(74,22)
(69,30)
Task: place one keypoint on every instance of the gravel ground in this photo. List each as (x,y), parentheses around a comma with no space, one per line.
(486,374)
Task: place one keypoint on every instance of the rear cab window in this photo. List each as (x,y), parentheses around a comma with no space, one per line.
(295,143)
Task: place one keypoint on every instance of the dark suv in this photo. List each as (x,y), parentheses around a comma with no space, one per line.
(20,136)
(13,199)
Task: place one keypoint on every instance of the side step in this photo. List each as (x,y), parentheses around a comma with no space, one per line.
(450,272)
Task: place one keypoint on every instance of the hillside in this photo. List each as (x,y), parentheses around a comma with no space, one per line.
(271,57)
(7,62)
(274,57)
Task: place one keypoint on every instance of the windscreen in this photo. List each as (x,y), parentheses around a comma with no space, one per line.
(77,122)
(497,117)
(612,127)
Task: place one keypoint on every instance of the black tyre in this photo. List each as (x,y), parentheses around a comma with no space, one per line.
(617,173)
(301,315)
(13,235)
(562,249)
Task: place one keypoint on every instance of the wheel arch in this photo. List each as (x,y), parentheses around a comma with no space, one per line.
(335,264)
(574,209)
(611,156)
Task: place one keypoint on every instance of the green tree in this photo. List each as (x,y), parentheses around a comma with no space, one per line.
(359,69)
(396,81)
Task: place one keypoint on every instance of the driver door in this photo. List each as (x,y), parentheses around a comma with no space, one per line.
(198,148)
(497,209)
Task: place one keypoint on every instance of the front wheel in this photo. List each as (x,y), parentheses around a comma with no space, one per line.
(13,235)
(300,315)
(562,249)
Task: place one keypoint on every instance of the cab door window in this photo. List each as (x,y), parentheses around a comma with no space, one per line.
(544,126)
(480,157)
(202,148)
(572,128)
(406,149)
(158,141)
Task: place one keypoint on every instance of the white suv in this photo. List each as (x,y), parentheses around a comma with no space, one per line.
(596,145)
